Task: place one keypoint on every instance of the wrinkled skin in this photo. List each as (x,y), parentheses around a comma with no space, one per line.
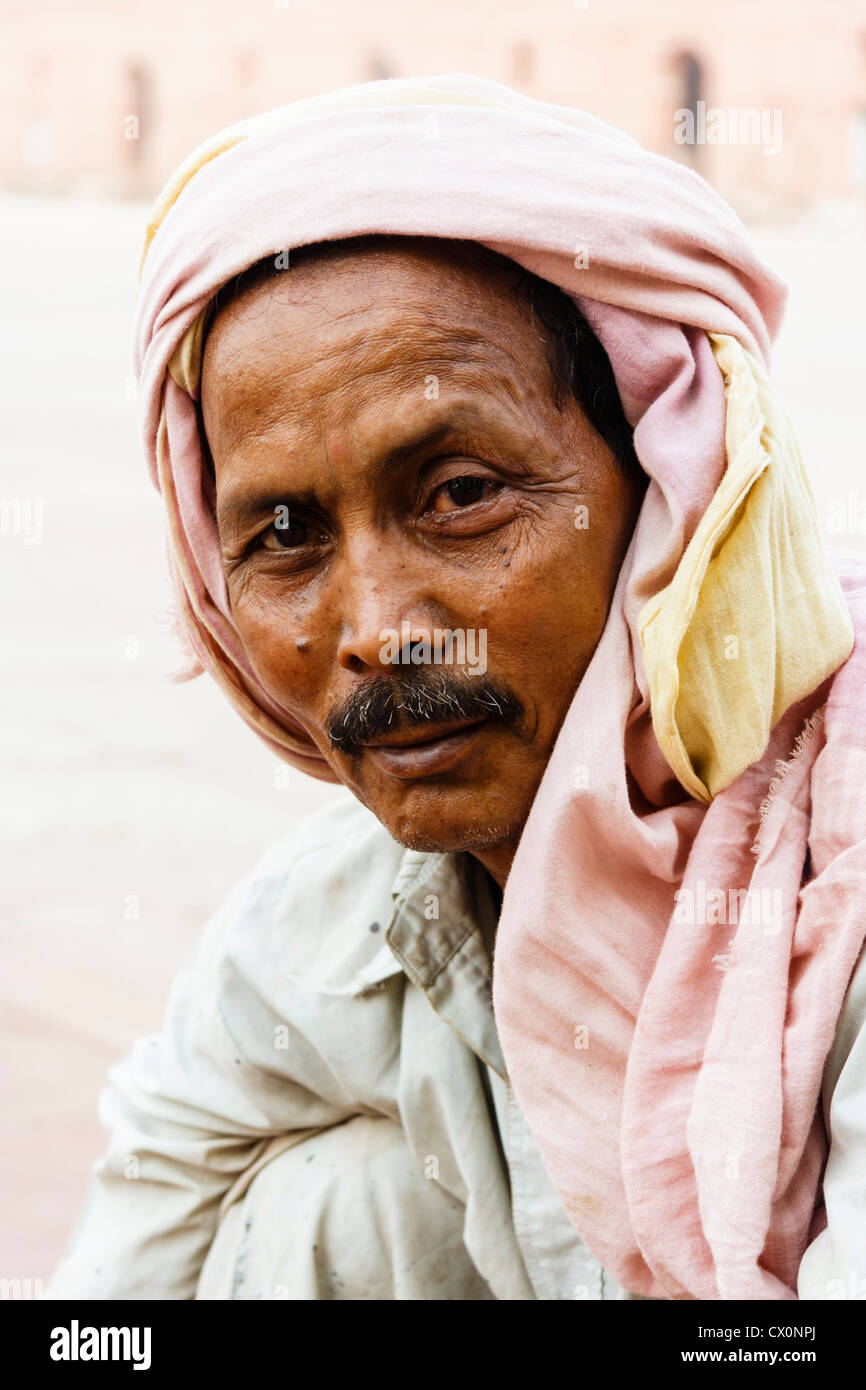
(308,383)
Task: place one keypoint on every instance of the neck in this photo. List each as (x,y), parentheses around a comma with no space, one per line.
(497,861)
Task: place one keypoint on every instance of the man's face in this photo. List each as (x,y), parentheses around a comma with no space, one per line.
(390,463)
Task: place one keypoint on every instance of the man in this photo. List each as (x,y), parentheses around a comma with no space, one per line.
(538,594)
(409,513)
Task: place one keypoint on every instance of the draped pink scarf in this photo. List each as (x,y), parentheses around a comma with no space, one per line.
(669,1072)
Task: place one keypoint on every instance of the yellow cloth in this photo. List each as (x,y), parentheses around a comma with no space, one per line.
(723,643)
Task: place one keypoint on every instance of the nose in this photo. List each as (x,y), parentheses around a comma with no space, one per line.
(384,607)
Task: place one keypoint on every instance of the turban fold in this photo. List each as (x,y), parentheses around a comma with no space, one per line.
(691,754)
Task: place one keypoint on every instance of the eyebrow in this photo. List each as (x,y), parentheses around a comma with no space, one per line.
(250,505)
(393,459)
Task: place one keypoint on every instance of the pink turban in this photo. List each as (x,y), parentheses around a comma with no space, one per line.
(669,1068)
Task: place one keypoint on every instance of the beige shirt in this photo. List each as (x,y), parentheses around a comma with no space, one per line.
(347,977)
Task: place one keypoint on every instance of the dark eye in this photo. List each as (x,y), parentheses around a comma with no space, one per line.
(289,532)
(463,492)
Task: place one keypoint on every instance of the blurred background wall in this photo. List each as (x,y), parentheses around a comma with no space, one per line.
(106,95)
(128,805)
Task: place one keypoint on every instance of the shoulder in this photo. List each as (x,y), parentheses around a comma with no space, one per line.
(340,832)
(314,909)
(338,852)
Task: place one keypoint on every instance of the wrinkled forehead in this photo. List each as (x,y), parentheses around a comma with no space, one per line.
(447,286)
(354,414)
(350,323)
(422,294)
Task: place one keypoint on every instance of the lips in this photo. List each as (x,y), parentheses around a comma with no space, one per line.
(425,751)
(427,733)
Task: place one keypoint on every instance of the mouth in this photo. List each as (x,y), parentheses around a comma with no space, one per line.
(423,752)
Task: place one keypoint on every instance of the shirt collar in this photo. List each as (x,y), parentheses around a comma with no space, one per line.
(441,903)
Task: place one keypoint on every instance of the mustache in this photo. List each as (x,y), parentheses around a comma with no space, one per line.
(409,700)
